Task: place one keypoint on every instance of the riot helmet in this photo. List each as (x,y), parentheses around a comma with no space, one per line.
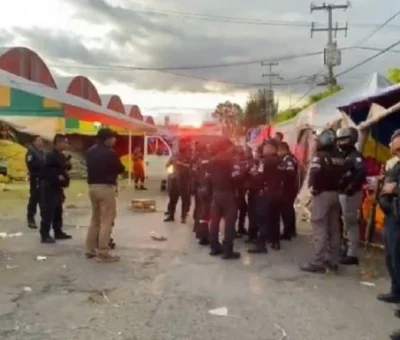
(326,140)
(347,137)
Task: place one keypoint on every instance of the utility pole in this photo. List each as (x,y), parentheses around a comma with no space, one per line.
(270,98)
(332,56)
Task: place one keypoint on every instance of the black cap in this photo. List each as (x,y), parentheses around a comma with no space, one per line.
(105,133)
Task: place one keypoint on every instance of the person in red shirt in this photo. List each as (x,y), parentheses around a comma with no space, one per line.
(138,169)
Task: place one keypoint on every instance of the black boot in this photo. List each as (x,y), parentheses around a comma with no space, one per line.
(286,237)
(216,250)
(259,248)
(47,240)
(32,224)
(229,254)
(313,268)
(169,218)
(204,242)
(349,261)
(62,236)
(389,298)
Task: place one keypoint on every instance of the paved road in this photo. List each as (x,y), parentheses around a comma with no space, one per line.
(164,290)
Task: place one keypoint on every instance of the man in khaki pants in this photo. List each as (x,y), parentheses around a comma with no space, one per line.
(103,168)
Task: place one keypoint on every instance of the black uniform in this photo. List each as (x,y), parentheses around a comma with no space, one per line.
(180,186)
(54,179)
(204,195)
(355,175)
(289,169)
(34,161)
(223,205)
(241,193)
(254,184)
(268,203)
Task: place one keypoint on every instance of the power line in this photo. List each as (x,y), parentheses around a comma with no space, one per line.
(230,82)
(374,49)
(182,68)
(237,20)
(368,59)
(369,36)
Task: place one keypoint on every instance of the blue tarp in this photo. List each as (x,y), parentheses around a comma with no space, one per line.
(358,111)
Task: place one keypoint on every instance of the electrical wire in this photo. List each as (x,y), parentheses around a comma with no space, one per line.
(230,19)
(374,49)
(182,68)
(294,82)
(385,23)
(368,59)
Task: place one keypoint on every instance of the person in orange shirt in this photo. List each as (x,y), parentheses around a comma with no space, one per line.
(138,169)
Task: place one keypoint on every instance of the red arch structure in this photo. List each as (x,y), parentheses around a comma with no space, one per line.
(133,111)
(149,120)
(81,87)
(26,63)
(113,102)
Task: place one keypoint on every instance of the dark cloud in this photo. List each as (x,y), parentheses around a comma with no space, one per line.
(140,37)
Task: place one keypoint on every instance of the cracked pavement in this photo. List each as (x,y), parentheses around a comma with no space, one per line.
(164,290)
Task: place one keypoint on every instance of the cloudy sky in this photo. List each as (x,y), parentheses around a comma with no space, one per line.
(116,42)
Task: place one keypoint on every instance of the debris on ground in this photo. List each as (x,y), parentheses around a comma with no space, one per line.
(11,235)
(156,237)
(41,258)
(367,284)
(27,289)
(283,332)
(11,267)
(222,311)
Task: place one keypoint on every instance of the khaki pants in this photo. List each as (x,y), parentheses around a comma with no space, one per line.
(104,211)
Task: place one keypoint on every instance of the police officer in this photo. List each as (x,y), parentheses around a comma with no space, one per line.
(180,186)
(389,201)
(223,206)
(204,195)
(351,195)
(254,185)
(54,179)
(241,191)
(34,162)
(325,182)
(268,198)
(289,168)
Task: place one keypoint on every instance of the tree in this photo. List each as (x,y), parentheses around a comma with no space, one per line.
(229,115)
(256,109)
(393,75)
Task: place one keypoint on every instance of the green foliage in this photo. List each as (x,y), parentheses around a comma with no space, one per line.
(255,112)
(314,98)
(287,114)
(324,94)
(393,75)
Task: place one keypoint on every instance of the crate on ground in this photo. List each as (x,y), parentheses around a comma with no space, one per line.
(143,205)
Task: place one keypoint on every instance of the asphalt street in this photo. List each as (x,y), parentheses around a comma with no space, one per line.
(164,290)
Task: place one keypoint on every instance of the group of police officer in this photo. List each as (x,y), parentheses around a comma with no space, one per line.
(48,177)
(231,183)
